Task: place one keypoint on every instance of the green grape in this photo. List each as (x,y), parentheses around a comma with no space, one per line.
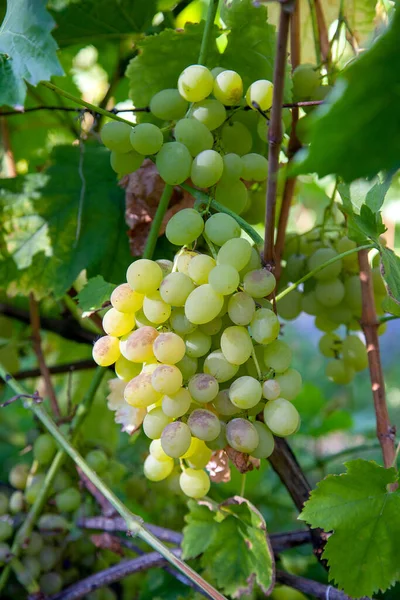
(116,323)
(219,443)
(232,195)
(52,522)
(350,263)
(271,389)
(289,307)
(17,502)
(203,304)
(310,305)
(245,392)
(106,351)
(228,88)
(281,417)
(290,383)
(184,227)
(236,344)
(157,470)
(18,476)
(242,435)
(155,309)
(201,457)
(34,545)
(157,452)
(264,326)
(353,294)
(125,369)
(3,504)
(176,405)
(97,460)
(210,113)
(126,163)
(241,308)
(203,388)
(125,300)
(115,136)
(175,439)
(266,442)
(144,276)
(255,167)
(278,356)
(253,263)
(194,483)
(44,449)
(62,481)
(224,279)
(200,267)
(305,81)
(155,422)
(204,424)
(50,583)
(207,168)
(220,228)
(169,348)
(263,128)
(219,367)
(166,379)
(140,393)
(213,327)
(5,552)
(32,567)
(194,135)
(259,283)
(330,293)
(180,323)
(355,353)
(174,163)
(321,256)
(33,488)
(6,530)
(330,345)
(234,252)
(236,138)
(259,95)
(187,366)
(168,105)
(138,346)
(48,558)
(146,138)
(195,83)
(166,266)
(197,344)
(233,168)
(296,267)
(339,372)
(68,500)
(223,404)
(340,313)
(323,323)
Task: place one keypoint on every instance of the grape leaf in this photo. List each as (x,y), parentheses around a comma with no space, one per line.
(91,21)
(363,550)
(364,222)
(27,50)
(95,293)
(362,129)
(232,534)
(391,272)
(39,251)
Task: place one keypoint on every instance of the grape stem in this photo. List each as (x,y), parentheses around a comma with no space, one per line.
(292,287)
(157,222)
(133,522)
(208,31)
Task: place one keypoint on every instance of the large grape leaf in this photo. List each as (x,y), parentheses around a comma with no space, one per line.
(363,551)
(38,248)
(27,49)
(352,135)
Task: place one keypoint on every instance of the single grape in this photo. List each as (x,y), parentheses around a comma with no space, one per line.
(19,475)
(200,267)
(166,266)
(207,168)
(220,228)
(53,522)
(157,452)
(6,530)
(168,105)
(50,583)
(341,313)
(44,449)
(255,167)
(224,279)
(339,372)
(330,293)
(290,383)
(210,113)
(144,276)
(197,344)
(140,393)
(68,500)
(219,367)
(180,323)
(321,256)
(126,163)
(245,392)
(195,83)
(155,422)
(271,389)
(253,263)
(184,227)
(146,138)
(228,88)
(175,439)
(330,345)
(324,323)
(296,267)
(166,379)
(204,425)
(264,326)
(355,353)
(234,252)
(212,327)
(31,567)
(259,95)
(232,195)
(117,323)
(17,502)
(194,483)
(194,135)
(223,404)
(241,308)
(115,136)
(266,442)
(305,81)
(169,348)
(125,369)
(201,457)
(233,168)
(183,259)
(34,487)
(157,470)
(242,435)
(236,138)
(310,304)
(353,294)
(289,307)
(97,460)
(187,366)
(176,405)
(138,346)
(203,304)
(203,388)
(155,309)
(259,283)
(278,356)
(281,417)
(106,351)
(236,344)
(173,163)
(350,262)
(5,553)
(125,299)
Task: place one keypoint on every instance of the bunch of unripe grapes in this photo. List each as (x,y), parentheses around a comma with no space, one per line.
(333,296)
(201,135)
(196,343)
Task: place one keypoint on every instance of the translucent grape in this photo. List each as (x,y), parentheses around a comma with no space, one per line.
(187,366)
(242,435)
(176,405)
(278,356)
(44,449)
(175,439)
(266,442)
(321,256)
(203,388)
(48,557)
(289,307)
(97,460)
(290,383)
(253,263)
(207,168)
(200,267)
(228,88)
(168,105)
(323,323)
(144,276)
(203,304)
(330,345)
(194,483)
(259,283)
(68,500)
(236,344)
(157,470)
(204,424)
(116,323)
(195,83)
(18,476)
(339,372)
(341,313)
(115,136)
(125,299)
(174,163)
(255,167)
(353,294)
(355,353)
(310,304)
(305,81)
(330,293)
(219,367)
(295,267)
(126,163)
(271,389)
(138,346)
(155,422)
(259,95)
(233,168)
(141,321)
(210,113)
(106,351)
(17,503)
(169,348)
(232,195)
(50,583)
(140,393)
(264,326)
(281,417)
(224,279)
(350,263)
(213,327)
(241,308)
(184,227)
(223,404)
(146,138)
(202,456)
(194,135)
(157,452)
(245,392)
(167,379)
(197,344)
(166,266)
(263,128)
(220,228)
(236,138)
(155,309)
(180,323)
(234,252)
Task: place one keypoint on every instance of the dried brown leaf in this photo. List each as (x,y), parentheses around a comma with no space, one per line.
(243,462)
(218,467)
(105,541)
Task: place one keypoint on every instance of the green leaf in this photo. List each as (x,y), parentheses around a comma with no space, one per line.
(364,223)
(232,534)
(391,272)
(91,21)
(376,195)
(348,123)
(39,251)
(27,50)
(391,306)
(95,293)
(363,550)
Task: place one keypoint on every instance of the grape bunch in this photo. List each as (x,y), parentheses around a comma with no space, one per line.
(195,343)
(201,135)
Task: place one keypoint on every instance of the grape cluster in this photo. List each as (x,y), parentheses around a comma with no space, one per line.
(201,135)
(196,344)
(333,296)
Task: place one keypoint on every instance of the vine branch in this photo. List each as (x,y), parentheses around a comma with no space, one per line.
(314,588)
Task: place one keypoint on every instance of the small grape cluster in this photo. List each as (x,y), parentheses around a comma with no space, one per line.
(196,343)
(333,295)
(204,140)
